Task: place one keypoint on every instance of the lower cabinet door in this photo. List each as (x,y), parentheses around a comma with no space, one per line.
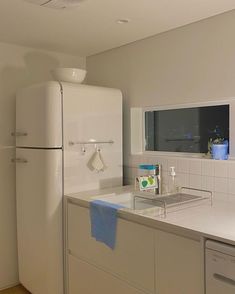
(88,279)
(132,258)
(179,265)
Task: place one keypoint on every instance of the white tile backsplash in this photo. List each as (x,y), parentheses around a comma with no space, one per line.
(172,162)
(183,166)
(208,168)
(221,185)
(164,163)
(208,183)
(208,174)
(182,180)
(195,181)
(220,196)
(151,160)
(195,166)
(231,186)
(165,181)
(231,169)
(165,177)
(221,169)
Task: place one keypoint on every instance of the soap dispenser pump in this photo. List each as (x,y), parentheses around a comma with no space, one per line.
(172,185)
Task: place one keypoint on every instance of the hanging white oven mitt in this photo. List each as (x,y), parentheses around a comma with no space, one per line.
(96,162)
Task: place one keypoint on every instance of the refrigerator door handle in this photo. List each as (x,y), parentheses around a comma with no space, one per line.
(19,160)
(19,134)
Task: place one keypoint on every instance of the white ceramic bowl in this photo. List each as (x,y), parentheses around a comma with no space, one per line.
(71,75)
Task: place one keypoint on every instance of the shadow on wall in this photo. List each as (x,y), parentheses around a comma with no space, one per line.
(36,69)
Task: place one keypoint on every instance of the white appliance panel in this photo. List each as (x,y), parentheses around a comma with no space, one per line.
(39,220)
(220,268)
(91,113)
(39,116)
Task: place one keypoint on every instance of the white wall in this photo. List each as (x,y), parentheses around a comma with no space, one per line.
(19,67)
(189,64)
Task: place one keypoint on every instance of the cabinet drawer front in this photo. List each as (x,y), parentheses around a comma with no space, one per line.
(179,265)
(87,279)
(133,256)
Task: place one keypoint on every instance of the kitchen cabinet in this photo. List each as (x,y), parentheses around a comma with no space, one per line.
(85,278)
(145,259)
(132,260)
(179,265)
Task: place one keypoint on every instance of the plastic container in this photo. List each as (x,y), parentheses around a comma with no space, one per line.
(219,151)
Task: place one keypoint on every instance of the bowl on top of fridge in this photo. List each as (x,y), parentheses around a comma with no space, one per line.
(71,75)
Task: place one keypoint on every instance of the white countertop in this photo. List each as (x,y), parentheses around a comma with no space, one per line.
(214,222)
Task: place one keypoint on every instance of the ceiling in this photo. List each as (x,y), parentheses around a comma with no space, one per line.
(92,28)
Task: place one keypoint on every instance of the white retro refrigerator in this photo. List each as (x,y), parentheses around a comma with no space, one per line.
(58,127)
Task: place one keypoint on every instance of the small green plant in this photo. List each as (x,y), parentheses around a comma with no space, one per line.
(216,141)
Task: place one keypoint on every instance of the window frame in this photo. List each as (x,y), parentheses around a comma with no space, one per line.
(229,101)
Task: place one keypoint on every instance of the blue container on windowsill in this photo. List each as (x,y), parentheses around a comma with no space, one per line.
(220,151)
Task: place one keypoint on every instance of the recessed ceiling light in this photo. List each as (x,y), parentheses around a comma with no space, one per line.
(123,21)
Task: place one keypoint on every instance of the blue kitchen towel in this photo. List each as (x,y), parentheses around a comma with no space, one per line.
(103,217)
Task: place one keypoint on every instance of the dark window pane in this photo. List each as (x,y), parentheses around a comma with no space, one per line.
(185,129)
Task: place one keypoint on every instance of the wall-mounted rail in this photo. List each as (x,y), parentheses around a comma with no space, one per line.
(71,143)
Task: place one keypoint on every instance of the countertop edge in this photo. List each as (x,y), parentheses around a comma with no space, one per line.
(158,224)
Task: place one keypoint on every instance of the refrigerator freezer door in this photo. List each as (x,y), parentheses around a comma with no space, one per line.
(39,116)
(39,220)
(91,113)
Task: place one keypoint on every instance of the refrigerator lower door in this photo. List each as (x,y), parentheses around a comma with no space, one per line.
(39,219)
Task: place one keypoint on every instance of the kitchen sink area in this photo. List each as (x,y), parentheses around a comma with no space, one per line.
(159,205)
(130,200)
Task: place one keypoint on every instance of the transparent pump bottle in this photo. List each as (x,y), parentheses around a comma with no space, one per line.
(172,182)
